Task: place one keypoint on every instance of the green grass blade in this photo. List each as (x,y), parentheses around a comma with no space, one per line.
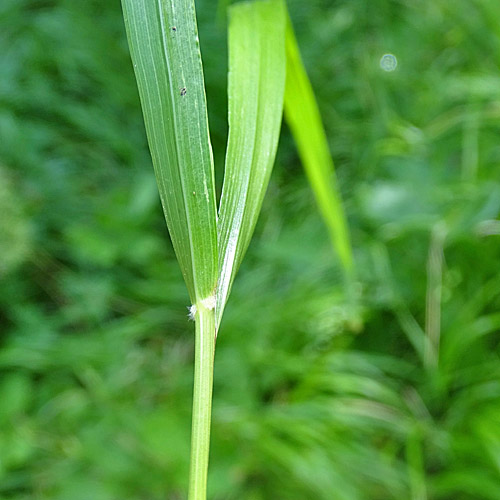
(163,42)
(303,118)
(256,92)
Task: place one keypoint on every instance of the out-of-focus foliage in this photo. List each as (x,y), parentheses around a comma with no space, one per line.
(304,121)
(394,396)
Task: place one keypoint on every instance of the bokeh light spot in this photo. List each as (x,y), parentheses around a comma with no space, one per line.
(388,62)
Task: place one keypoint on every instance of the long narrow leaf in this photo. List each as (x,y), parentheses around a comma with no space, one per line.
(303,117)
(163,42)
(256,91)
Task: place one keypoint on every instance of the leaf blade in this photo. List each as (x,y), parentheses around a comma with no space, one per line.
(303,117)
(164,46)
(256,86)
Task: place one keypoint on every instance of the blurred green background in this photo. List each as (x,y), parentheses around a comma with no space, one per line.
(391,391)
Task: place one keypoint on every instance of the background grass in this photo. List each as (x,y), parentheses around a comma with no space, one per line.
(316,396)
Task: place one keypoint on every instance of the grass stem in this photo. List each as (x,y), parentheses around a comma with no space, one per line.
(202,401)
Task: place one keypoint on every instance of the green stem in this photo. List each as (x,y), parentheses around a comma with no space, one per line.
(202,401)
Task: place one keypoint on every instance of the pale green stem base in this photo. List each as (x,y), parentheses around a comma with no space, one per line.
(202,402)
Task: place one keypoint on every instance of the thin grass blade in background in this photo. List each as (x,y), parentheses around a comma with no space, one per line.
(256,88)
(303,118)
(163,42)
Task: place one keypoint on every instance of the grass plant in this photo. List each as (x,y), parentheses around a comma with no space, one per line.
(165,51)
(210,246)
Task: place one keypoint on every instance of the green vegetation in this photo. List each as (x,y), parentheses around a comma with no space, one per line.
(391,393)
(164,45)
(304,119)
